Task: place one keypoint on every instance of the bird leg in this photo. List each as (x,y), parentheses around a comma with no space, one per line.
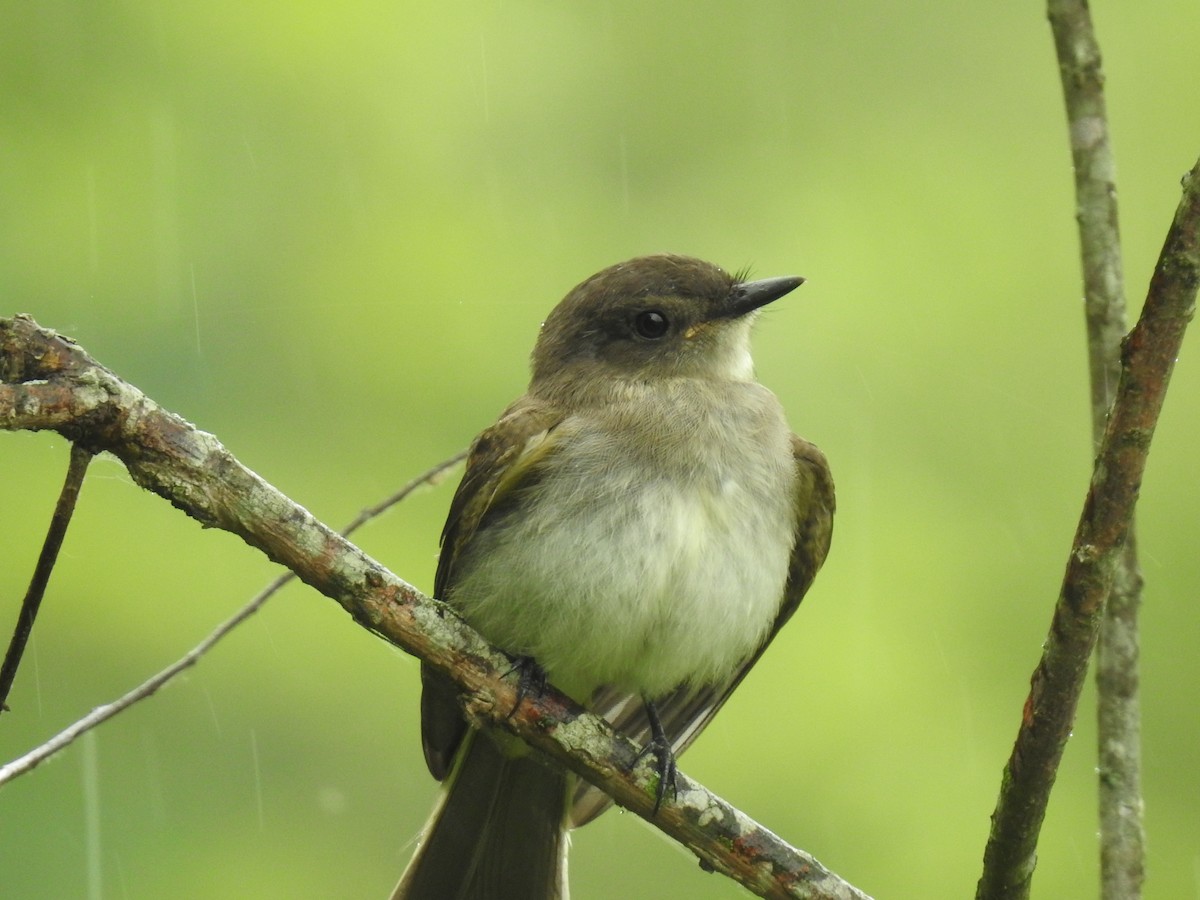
(660,745)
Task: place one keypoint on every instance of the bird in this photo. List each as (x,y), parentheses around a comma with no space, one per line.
(636,528)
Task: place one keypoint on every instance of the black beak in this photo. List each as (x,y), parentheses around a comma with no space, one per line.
(750,295)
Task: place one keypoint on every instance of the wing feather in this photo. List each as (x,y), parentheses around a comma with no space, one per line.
(497,464)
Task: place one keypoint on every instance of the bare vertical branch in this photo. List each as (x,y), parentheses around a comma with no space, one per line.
(1119,727)
(1147,359)
(1122,834)
(1082,78)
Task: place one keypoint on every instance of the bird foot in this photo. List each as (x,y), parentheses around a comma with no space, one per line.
(660,747)
(531,679)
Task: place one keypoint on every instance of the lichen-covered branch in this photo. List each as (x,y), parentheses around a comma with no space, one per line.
(48,382)
(1147,359)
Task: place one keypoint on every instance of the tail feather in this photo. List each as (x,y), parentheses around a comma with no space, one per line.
(498,832)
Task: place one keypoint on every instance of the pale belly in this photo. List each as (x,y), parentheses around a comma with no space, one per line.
(644,582)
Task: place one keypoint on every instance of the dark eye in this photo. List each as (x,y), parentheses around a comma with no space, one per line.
(651,324)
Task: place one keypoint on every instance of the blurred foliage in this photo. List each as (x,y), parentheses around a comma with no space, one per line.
(328,232)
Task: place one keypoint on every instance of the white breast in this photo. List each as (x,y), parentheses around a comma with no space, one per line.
(642,569)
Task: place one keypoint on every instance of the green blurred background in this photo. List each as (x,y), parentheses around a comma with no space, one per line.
(327,233)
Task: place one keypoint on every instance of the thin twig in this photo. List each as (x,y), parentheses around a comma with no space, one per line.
(432,476)
(1147,359)
(63,510)
(100,714)
(147,688)
(1122,833)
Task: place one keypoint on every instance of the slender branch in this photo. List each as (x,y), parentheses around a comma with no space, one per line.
(1122,832)
(432,475)
(52,384)
(1119,727)
(1095,198)
(1147,359)
(63,510)
(106,711)
(150,686)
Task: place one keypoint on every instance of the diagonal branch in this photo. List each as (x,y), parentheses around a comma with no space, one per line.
(48,382)
(1147,359)
(1122,833)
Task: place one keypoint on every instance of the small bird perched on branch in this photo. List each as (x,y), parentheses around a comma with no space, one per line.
(636,528)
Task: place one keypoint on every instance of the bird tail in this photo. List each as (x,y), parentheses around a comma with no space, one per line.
(497,833)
